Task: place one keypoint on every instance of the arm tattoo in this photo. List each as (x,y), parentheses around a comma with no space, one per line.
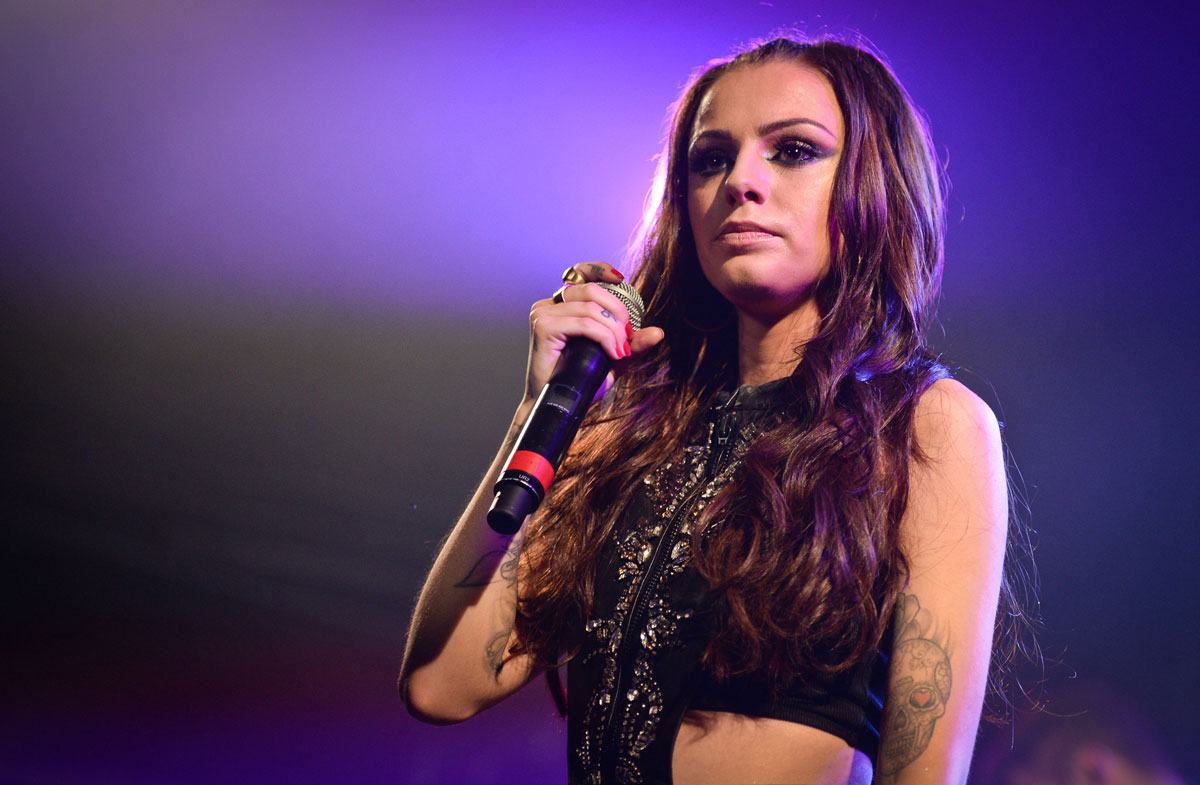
(496,650)
(483,572)
(498,565)
(918,689)
(493,655)
(508,569)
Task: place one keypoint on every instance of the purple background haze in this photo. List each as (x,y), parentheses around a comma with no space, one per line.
(265,272)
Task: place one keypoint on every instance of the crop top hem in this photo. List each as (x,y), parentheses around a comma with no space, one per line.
(852,736)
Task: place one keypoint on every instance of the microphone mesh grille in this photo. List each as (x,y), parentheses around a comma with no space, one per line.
(630,298)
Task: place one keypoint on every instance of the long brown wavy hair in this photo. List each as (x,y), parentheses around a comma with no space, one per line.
(802,548)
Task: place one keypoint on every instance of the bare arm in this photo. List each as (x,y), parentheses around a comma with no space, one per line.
(454,663)
(456,660)
(954,534)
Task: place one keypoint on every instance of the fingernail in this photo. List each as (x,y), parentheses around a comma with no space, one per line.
(628,351)
(617,273)
(629,330)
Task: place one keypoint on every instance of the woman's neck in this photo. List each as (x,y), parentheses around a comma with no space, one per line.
(770,349)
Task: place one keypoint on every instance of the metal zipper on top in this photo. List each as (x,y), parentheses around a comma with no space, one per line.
(720,443)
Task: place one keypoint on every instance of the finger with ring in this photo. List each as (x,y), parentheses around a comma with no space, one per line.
(571,275)
(558,295)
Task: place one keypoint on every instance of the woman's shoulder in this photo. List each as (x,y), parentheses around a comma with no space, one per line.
(958,480)
(949,415)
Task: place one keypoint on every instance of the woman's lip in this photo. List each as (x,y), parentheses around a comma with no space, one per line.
(745,237)
(743,229)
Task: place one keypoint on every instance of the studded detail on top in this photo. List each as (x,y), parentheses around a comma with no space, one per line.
(646,607)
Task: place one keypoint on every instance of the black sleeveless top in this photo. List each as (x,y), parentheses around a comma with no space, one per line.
(638,669)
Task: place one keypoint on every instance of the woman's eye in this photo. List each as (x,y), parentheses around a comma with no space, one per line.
(709,162)
(796,151)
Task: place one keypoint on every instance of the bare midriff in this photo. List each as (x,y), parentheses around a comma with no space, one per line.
(720,747)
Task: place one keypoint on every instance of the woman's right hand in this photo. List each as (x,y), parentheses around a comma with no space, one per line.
(457,660)
(589,311)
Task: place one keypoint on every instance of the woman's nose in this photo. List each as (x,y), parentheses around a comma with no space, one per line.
(748,181)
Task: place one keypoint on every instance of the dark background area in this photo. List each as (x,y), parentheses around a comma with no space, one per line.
(265,275)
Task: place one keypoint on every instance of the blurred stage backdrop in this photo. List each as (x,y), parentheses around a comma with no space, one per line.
(266,268)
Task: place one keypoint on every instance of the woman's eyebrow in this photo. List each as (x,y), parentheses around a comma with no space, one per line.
(778,124)
(763,130)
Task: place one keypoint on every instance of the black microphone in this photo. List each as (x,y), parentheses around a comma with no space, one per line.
(555,420)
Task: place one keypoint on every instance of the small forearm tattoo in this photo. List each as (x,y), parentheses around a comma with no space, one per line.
(484,573)
(493,655)
(508,568)
(918,688)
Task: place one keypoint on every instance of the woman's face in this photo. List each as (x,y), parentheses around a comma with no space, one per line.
(761,164)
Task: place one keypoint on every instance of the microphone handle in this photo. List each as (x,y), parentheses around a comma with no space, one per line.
(550,430)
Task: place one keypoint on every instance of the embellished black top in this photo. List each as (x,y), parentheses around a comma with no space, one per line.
(638,669)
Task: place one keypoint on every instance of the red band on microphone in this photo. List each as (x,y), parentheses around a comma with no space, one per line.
(532,463)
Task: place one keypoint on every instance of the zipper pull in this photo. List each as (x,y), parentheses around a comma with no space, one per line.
(724,426)
(721,436)
(722,431)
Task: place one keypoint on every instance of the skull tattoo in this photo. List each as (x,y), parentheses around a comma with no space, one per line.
(916,700)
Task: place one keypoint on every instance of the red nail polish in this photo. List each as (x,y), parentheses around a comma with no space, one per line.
(629,330)
(628,351)
(617,273)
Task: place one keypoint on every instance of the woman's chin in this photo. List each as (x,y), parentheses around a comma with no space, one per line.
(765,303)
(764,285)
